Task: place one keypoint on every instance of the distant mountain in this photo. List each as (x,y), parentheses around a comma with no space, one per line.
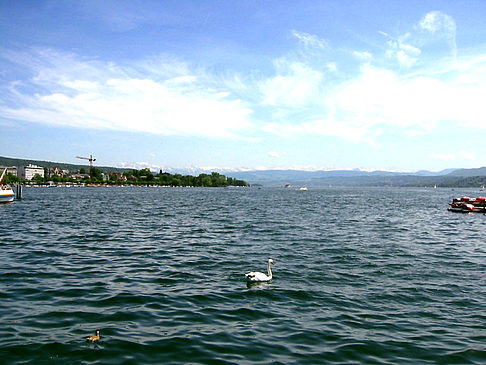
(480,171)
(278,177)
(448,177)
(433,173)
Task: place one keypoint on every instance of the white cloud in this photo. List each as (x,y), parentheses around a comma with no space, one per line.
(404,58)
(351,131)
(362,55)
(86,94)
(444,156)
(463,155)
(381,96)
(361,106)
(295,85)
(467,155)
(442,25)
(331,66)
(305,96)
(406,54)
(274,154)
(414,132)
(310,40)
(310,98)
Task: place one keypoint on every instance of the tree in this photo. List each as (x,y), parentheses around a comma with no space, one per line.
(164,179)
(97,174)
(38,179)
(55,178)
(10,178)
(146,174)
(218,179)
(188,180)
(204,180)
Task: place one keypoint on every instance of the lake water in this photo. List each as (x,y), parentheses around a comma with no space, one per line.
(375,276)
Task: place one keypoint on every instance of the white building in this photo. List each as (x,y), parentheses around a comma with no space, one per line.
(28,172)
(10,169)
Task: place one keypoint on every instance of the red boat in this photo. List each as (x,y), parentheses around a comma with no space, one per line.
(468,205)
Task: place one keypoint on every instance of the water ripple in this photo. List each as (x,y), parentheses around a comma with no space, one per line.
(160,273)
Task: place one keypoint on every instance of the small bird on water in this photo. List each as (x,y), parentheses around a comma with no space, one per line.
(94,338)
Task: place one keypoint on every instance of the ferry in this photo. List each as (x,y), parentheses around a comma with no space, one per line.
(468,205)
(6,193)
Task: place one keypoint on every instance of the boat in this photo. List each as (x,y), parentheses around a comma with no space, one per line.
(468,205)
(303,188)
(6,193)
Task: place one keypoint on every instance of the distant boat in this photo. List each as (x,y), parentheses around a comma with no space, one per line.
(288,186)
(303,188)
(6,193)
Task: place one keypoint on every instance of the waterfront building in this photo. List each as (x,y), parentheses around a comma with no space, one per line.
(10,170)
(28,172)
(51,171)
(116,176)
(79,176)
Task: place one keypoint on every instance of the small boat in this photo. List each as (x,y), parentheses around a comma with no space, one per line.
(303,188)
(6,193)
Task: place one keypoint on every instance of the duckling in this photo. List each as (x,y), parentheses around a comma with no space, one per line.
(94,338)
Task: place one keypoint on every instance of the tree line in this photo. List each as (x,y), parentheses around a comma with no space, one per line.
(136,177)
(145,176)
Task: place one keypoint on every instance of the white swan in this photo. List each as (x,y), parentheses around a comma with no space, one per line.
(256,276)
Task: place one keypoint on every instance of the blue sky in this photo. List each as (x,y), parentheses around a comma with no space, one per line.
(395,85)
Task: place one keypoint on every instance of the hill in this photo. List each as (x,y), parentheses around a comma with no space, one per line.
(9,161)
(445,178)
(480,171)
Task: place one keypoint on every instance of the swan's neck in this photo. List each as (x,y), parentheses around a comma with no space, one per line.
(269,270)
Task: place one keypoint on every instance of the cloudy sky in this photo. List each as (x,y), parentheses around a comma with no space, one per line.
(245,84)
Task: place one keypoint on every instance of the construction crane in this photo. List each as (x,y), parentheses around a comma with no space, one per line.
(91,168)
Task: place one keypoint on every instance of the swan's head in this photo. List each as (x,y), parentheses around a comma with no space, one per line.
(270,261)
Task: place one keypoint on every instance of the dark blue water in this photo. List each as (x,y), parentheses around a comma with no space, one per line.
(375,276)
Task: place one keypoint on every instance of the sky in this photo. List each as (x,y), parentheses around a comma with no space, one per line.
(245,84)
